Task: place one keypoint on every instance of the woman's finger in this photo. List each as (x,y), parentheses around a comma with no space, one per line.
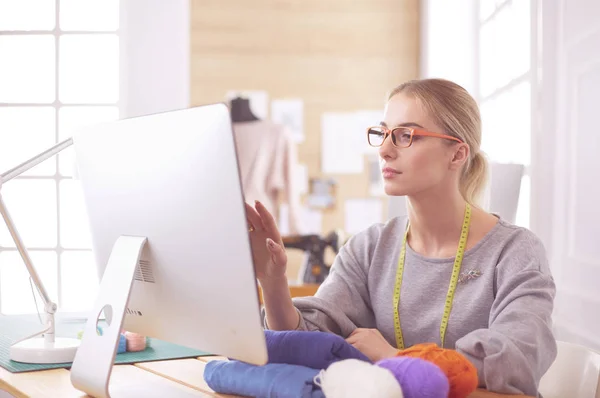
(352,339)
(268,221)
(355,332)
(253,218)
(278,255)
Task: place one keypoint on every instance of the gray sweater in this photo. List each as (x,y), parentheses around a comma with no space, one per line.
(500,320)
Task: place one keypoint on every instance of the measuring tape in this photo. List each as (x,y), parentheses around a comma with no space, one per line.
(451,289)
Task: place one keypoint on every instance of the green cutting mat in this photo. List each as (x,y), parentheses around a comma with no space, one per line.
(12,328)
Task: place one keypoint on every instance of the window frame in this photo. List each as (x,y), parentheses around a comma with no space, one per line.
(531,76)
(57,105)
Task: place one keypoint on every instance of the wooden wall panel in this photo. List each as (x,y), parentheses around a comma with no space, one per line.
(337,55)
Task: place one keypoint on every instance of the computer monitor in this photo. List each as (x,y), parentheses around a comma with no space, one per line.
(172,178)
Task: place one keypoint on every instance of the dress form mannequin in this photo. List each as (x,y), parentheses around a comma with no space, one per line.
(240,110)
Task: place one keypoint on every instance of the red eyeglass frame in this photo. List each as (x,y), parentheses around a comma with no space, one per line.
(413,131)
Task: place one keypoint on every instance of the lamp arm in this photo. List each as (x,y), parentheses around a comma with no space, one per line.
(23,251)
(34,161)
(49,306)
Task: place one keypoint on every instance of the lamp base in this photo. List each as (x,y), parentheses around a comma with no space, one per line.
(37,350)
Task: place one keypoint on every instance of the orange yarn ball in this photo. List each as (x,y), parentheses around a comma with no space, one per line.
(461,373)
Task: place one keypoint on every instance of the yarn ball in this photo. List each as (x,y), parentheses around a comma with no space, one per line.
(316,350)
(353,378)
(417,377)
(135,342)
(122,347)
(461,373)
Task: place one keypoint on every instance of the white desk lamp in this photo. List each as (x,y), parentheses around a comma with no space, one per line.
(34,349)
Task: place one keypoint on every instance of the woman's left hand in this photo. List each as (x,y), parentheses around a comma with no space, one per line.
(371,343)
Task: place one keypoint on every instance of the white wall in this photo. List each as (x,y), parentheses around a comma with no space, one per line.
(568,146)
(155,52)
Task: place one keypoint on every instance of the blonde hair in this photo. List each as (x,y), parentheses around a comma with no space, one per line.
(454,109)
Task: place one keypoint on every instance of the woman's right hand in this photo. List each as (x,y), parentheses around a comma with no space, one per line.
(268,252)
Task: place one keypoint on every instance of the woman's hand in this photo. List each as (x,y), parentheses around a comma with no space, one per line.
(371,343)
(270,262)
(268,253)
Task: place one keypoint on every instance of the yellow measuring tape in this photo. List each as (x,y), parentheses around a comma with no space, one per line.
(453,281)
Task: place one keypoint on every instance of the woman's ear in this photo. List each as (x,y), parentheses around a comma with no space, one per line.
(460,157)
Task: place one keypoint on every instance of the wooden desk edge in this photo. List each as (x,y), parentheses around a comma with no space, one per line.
(5,384)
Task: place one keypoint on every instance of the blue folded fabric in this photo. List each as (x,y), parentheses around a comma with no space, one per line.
(122,347)
(316,350)
(268,381)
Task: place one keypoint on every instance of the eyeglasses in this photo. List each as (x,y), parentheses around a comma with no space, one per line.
(402,137)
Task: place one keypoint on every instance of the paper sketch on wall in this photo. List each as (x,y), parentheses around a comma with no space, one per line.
(342,144)
(289,112)
(344,140)
(365,119)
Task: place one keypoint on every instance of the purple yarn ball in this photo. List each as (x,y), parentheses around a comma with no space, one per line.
(417,377)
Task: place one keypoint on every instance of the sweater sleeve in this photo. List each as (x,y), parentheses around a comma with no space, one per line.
(342,303)
(518,346)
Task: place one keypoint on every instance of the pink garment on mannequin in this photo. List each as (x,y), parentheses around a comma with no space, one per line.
(267,157)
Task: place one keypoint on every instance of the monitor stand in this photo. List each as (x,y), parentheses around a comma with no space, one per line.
(95,356)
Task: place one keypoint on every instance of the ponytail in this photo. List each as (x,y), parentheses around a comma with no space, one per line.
(474,178)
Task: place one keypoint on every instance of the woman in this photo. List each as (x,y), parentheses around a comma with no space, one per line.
(448,256)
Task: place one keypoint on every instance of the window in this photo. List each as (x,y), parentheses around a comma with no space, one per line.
(505,81)
(59,71)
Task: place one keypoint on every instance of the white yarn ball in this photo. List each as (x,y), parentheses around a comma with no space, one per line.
(352,378)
